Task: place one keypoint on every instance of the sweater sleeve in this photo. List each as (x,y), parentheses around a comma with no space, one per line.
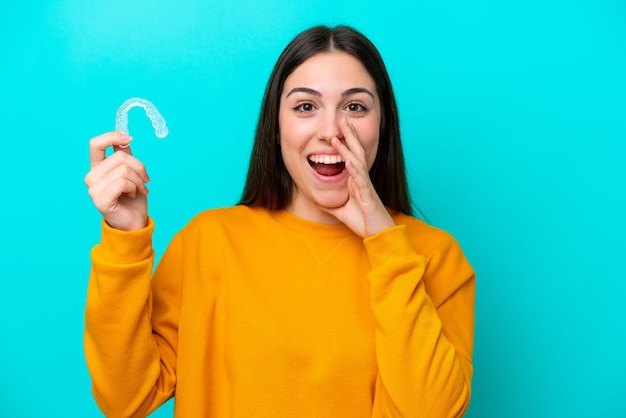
(132,361)
(424,311)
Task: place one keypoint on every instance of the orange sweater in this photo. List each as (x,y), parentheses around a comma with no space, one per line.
(259,314)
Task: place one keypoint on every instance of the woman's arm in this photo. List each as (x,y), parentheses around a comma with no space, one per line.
(132,363)
(424,310)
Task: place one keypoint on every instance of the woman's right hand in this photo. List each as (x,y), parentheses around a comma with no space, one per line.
(117,183)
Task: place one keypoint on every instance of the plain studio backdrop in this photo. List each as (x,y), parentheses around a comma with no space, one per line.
(513,120)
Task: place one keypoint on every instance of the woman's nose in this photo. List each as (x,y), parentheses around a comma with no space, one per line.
(328,127)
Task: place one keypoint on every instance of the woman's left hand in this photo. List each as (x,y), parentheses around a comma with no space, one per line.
(363,212)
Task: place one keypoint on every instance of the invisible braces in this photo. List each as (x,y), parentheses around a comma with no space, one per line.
(158,122)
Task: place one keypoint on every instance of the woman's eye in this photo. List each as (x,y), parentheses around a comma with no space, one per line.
(356,107)
(305,107)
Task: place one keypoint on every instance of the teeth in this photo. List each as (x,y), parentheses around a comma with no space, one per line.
(326,159)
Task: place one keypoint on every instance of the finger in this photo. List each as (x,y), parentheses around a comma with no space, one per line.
(107,200)
(352,140)
(110,187)
(111,163)
(123,172)
(99,144)
(350,158)
(124,148)
(342,149)
(351,148)
(359,184)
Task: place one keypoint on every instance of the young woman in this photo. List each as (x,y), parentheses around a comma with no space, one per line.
(319,295)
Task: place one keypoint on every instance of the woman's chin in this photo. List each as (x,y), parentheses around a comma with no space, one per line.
(333,201)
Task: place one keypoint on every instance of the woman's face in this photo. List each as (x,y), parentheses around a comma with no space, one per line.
(316,96)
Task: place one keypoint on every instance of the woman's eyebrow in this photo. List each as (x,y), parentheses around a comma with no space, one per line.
(349,92)
(304,90)
(356,90)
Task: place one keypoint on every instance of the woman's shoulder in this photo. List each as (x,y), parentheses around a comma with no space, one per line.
(427,238)
(419,226)
(227,212)
(448,268)
(230,217)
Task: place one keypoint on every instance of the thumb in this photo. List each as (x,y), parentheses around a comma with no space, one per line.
(125,145)
(341,213)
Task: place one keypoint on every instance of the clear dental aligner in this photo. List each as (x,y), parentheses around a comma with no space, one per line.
(158,122)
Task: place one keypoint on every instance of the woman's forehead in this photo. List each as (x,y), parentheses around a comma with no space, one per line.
(330,69)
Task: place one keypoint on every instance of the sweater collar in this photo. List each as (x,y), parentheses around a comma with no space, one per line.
(304,226)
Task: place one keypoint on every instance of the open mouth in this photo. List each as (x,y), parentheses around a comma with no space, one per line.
(327,165)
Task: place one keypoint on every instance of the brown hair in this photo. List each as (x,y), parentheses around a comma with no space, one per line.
(268,183)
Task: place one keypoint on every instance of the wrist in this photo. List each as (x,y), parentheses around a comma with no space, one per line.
(128,226)
(125,247)
(380,226)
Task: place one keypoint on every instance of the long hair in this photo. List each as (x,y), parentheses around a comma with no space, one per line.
(268,183)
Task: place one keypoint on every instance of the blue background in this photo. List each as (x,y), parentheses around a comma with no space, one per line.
(514,123)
